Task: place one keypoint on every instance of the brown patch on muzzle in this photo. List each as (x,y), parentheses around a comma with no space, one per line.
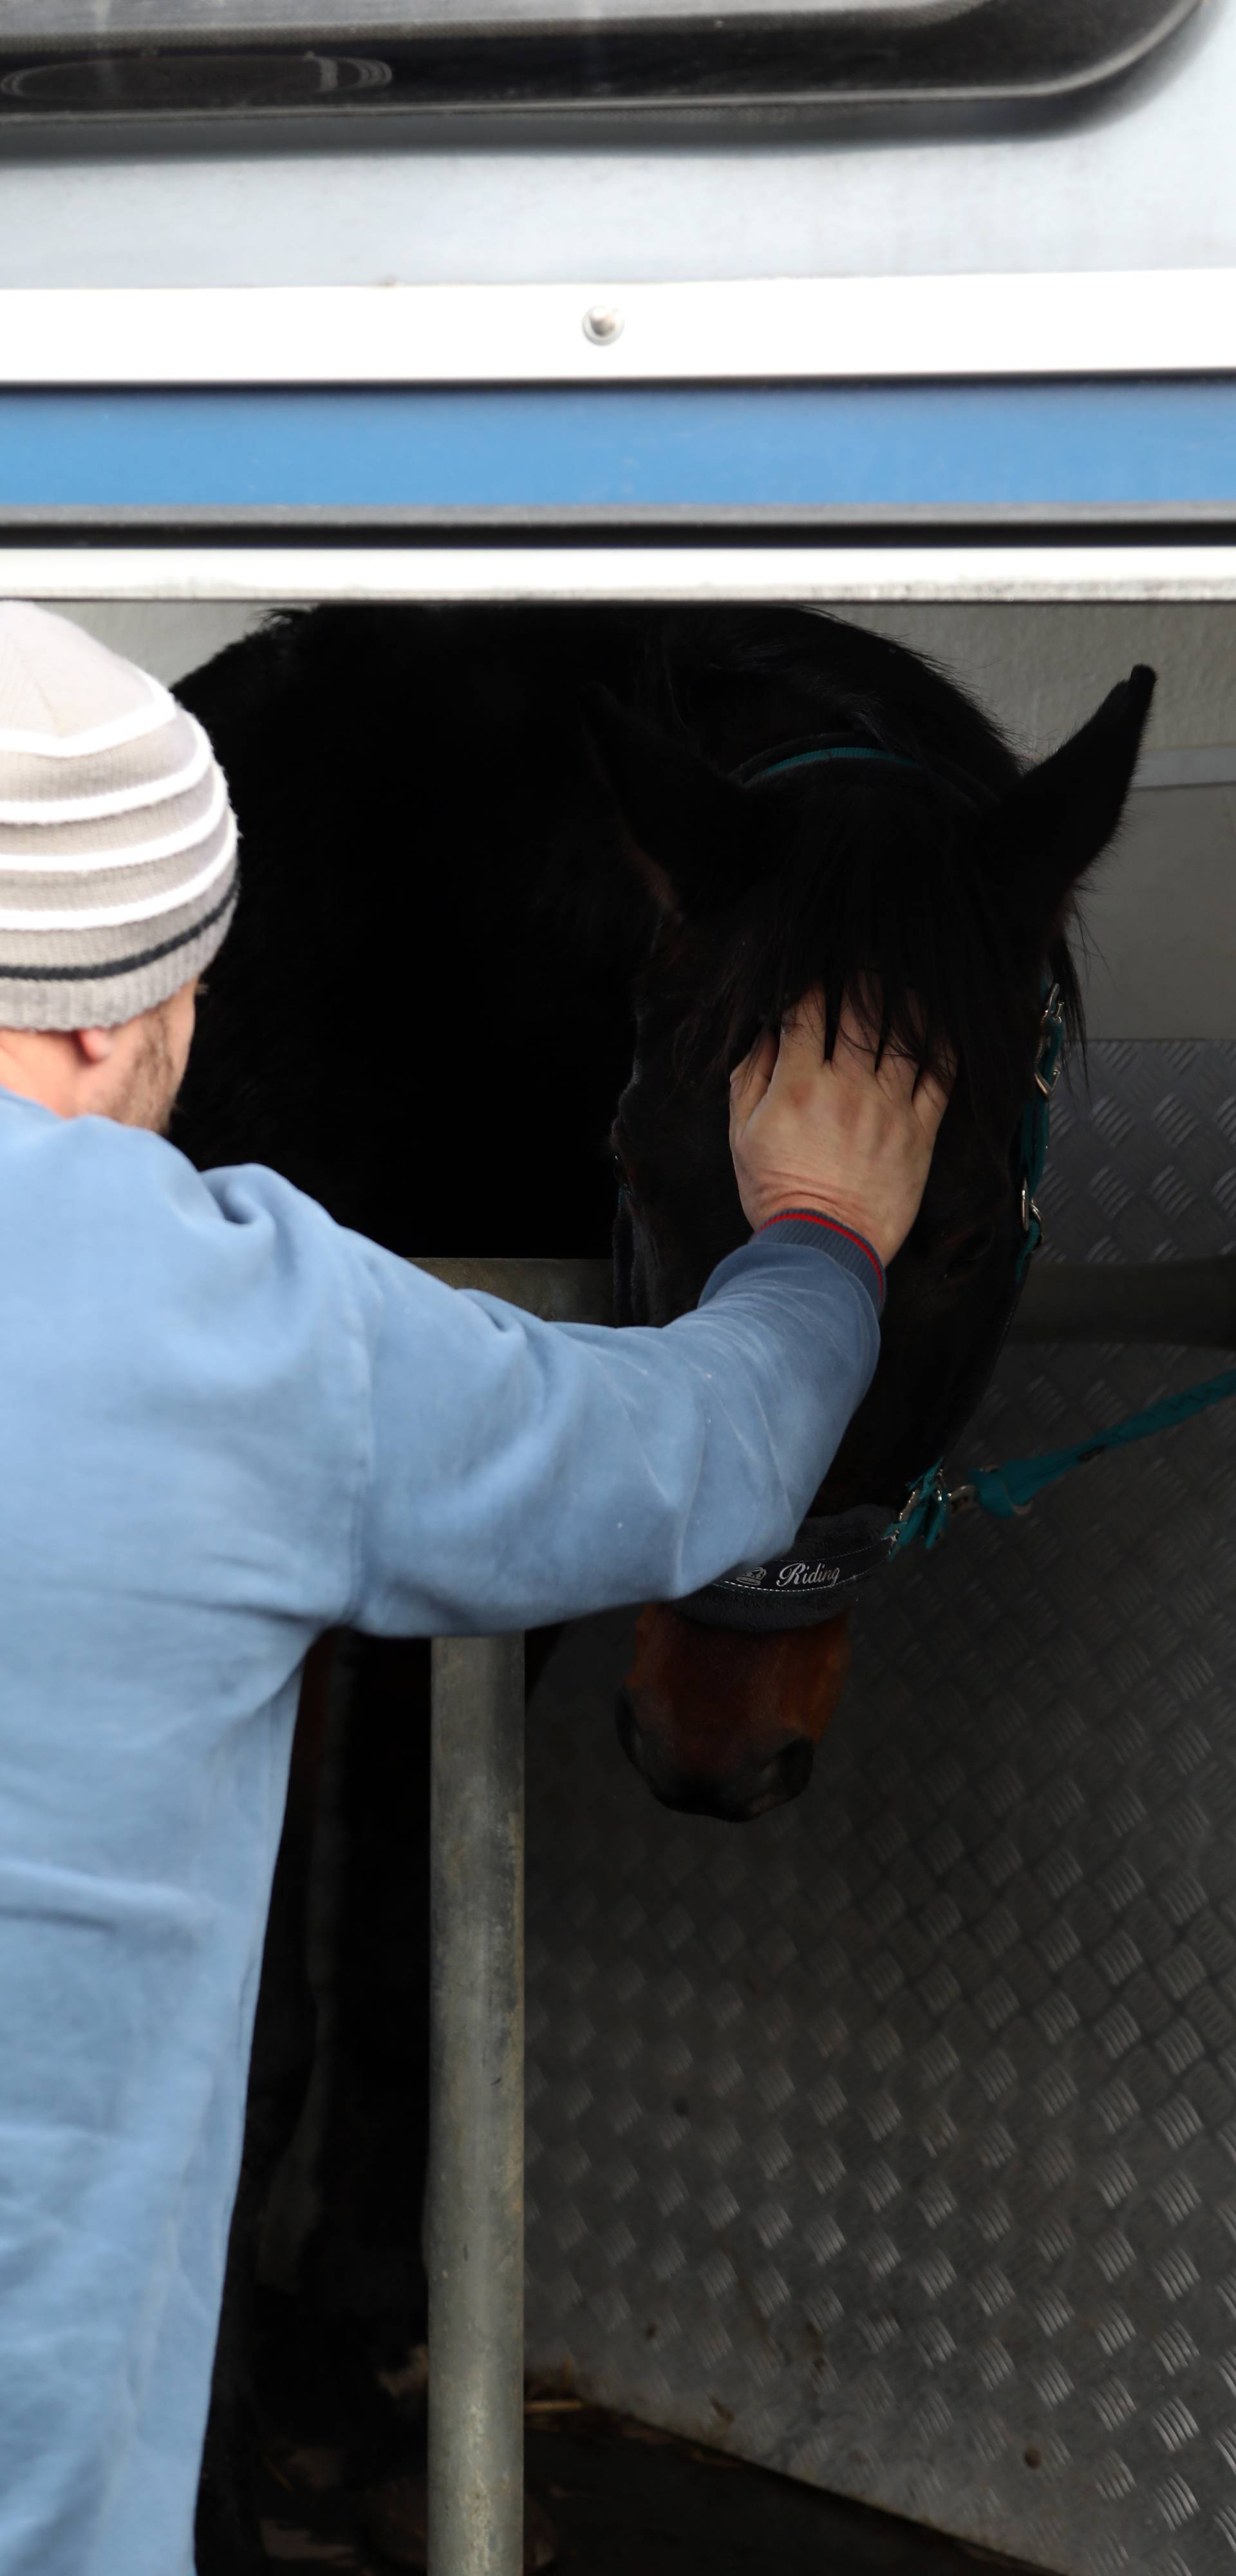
(725,1724)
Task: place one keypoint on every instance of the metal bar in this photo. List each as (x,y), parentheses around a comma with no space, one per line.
(476,2132)
(561,1292)
(1064,1301)
(1123,322)
(821,575)
(1146,1301)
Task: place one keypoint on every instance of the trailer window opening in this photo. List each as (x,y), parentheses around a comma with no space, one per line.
(66,58)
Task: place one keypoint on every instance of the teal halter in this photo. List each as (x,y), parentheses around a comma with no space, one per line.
(763,768)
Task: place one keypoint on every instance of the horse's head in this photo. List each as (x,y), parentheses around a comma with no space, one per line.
(941,871)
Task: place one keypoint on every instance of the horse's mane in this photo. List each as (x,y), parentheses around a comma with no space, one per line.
(872,869)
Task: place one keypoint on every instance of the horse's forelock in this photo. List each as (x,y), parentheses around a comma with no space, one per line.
(875,870)
(879,874)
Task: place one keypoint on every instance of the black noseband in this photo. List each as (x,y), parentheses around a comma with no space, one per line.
(819,1579)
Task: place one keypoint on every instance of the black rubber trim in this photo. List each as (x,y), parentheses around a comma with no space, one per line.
(1000,50)
(1025,527)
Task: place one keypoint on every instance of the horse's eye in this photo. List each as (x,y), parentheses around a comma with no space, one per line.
(967,1254)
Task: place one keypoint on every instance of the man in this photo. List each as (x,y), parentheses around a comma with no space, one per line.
(228,1425)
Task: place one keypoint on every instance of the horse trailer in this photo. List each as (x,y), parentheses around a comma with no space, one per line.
(890,2143)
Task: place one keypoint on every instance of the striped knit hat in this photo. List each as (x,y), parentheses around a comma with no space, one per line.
(117,842)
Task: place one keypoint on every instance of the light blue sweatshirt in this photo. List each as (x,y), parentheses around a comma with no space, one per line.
(225,1425)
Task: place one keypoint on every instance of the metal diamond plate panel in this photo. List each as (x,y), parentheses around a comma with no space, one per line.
(891,2141)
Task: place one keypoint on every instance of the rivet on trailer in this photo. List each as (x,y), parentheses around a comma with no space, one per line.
(922,313)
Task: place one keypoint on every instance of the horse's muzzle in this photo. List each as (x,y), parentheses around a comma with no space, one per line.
(725,1724)
(747,1791)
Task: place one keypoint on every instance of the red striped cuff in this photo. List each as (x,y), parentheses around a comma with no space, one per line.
(830,1225)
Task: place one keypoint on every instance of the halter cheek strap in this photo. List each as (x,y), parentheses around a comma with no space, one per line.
(930,1504)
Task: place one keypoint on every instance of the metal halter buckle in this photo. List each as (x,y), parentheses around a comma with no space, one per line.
(938,1496)
(911,1504)
(1031,1215)
(1050,1058)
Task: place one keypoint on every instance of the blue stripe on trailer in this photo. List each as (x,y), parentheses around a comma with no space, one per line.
(1120,442)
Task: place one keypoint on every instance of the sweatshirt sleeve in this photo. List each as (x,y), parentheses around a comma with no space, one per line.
(522,1472)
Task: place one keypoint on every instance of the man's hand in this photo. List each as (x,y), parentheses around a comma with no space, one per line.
(853,1142)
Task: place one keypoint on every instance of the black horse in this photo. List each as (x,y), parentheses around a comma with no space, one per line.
(483,849)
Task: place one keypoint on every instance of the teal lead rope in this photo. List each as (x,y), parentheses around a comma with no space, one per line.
(1003,1491)
(1006,1491)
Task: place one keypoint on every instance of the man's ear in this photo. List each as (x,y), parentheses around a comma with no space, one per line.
(692,831)
(1054,824)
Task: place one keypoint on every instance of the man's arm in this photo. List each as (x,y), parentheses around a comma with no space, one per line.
(524,1472)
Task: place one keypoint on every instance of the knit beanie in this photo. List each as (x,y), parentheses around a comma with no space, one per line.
(118,874)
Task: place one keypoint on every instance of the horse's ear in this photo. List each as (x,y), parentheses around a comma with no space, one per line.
(690,829)
(1060,816)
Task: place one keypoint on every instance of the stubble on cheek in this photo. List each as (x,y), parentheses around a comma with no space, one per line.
(149,1096)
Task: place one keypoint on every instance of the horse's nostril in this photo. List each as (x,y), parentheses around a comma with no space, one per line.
(735,1797)
(765,1785)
